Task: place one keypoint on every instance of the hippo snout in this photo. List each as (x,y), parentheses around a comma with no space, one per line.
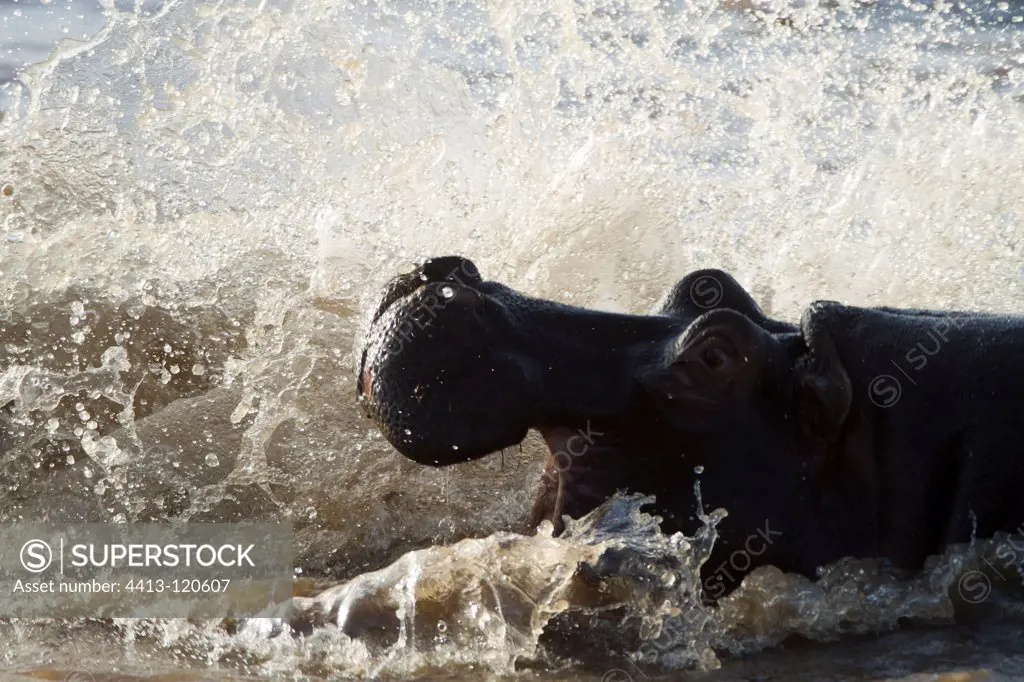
(455,367)
(434,349)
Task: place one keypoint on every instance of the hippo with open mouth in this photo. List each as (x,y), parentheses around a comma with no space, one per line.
(863,432)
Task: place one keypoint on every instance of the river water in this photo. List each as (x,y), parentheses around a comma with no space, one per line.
(200,202)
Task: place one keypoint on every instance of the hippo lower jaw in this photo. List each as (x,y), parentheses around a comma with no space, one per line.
(561,493)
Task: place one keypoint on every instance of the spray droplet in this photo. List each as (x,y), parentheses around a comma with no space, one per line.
(211,460)
(447,291)
(698,469)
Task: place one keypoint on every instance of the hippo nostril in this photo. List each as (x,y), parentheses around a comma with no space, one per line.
(449,269)
(453,269)
(445,293)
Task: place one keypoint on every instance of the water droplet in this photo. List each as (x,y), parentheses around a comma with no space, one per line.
(447,291)
(71,459)
(211,460)
(442,626)
(698,469)
(455,447)
(408,432)
(198,370)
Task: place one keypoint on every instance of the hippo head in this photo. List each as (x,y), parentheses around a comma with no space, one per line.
(707,388)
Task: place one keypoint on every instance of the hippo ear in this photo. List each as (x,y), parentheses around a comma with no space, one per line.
(718,359)
(824,391)
(711,289)
(705,290)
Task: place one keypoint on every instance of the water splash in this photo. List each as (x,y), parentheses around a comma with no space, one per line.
(234,183)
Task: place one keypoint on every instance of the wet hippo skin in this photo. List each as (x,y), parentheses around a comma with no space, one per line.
(865,432)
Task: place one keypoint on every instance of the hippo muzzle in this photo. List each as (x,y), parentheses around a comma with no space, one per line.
(455,367)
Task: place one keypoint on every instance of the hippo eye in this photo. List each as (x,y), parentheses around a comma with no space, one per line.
(714,357)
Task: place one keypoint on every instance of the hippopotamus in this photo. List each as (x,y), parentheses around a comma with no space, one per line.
(856,432)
